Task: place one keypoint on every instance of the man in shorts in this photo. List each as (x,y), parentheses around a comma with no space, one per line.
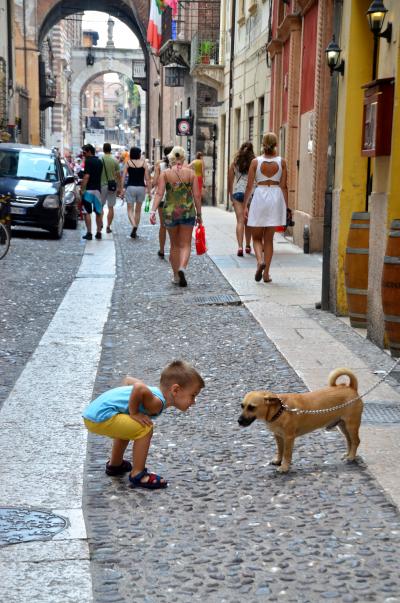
(110,173)
(91,191)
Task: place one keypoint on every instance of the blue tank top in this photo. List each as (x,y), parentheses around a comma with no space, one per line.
(116,401)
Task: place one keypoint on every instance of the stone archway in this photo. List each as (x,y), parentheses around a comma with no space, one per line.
(82,79)
(32,22)
(133,14)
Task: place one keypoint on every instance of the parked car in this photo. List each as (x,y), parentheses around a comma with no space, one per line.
(34,179)
(71,197)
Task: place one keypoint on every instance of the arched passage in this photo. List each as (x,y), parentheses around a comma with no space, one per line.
(78,85)
(34,20)
(133,14)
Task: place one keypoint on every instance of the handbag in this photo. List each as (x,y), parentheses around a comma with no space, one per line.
(111,184)
(200,238)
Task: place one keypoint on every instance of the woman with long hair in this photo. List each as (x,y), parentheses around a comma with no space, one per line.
(269,203)
(237,182)
(138,181)
(182,209)
(161,166)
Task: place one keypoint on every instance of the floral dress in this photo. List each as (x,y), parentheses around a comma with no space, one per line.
(178,205)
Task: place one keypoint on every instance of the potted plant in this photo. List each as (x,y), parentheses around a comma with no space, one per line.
(205,51)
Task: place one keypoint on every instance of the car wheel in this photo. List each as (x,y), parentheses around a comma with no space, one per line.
(57,231)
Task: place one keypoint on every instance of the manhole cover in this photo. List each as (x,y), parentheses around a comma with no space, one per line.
(216,300)
(381,413)
(24,525)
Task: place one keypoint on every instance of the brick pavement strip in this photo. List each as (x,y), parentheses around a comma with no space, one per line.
(228,528)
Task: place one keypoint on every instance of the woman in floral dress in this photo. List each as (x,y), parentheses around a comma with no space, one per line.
(182,209)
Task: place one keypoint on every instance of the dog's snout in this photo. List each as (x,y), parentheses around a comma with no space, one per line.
(245,421)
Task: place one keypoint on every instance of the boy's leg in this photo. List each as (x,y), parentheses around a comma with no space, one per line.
(139,457)
(117,451)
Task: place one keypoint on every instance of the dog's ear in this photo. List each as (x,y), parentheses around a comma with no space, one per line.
(268,398)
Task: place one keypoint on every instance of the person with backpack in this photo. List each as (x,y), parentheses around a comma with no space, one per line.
(111,184)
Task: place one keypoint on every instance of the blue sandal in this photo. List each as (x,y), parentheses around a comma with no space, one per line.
(153,483)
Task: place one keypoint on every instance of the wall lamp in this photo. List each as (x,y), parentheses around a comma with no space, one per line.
(376,16)
(332,53)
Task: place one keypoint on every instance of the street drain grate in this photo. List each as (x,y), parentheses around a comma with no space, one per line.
(381,413)
(217,300)
(19,524)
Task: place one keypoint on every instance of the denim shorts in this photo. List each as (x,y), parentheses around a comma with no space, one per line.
(135,194)
(238,197)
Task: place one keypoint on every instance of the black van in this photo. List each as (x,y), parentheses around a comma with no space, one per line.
(34,178)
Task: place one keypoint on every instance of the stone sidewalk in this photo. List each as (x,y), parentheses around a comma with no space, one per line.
(312,341)
(228,528)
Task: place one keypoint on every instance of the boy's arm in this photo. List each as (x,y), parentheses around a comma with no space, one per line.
(130,380)
(140,395)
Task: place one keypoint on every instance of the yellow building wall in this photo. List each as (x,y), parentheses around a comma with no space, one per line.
(351,169)
(394,172)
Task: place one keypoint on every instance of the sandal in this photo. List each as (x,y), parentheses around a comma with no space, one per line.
(248,249)
(267,279)
(240,252)
(161,254)
(182,278)
(153,483)
(259,272)
(124,467)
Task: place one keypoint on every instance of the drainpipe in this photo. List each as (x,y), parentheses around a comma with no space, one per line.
(230,103)
(10,46)
(330,179)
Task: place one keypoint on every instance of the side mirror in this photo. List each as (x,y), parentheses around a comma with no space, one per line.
(69,180)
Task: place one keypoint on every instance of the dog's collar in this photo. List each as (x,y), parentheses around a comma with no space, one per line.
(278,414)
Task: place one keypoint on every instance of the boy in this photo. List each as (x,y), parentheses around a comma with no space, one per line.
(124,414)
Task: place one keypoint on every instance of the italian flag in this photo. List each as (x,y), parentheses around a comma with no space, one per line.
(154,27)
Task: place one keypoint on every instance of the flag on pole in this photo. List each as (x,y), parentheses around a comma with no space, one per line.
(174,5)
(154,27)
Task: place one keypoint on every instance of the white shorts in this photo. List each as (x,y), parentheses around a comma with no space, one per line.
(135,194)
(108,196)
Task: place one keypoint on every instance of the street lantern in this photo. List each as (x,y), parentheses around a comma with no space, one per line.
(174,75)
(332,53)
(376,15)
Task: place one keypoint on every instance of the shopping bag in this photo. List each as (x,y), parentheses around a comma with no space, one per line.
(200,236)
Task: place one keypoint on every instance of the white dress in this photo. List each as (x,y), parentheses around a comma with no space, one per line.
(268,207)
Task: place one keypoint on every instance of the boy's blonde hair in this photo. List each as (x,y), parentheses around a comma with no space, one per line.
(182,373)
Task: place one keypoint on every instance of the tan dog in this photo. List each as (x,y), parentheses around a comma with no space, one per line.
(286,425)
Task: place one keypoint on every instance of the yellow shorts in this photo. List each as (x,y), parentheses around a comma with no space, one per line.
(121,427)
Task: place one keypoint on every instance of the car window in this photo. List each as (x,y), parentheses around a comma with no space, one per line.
(20,164)
(66,170)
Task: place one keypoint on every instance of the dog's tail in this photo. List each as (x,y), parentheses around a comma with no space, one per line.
(343,371)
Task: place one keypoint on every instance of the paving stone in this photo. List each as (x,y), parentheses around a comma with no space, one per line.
(228,527)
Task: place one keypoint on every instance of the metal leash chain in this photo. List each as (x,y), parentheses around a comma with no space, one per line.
(301,411)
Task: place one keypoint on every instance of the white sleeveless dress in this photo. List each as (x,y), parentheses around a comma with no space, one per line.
(268,207)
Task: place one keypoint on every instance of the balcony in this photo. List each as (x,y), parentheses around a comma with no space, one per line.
(206,63)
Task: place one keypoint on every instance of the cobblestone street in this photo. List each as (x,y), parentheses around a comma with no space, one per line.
(228,528)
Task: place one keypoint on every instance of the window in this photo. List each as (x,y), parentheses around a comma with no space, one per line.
(237,129)
(261,119)
(250,120)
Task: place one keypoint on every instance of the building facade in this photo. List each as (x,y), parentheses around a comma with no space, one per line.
(245,92)
(366,174)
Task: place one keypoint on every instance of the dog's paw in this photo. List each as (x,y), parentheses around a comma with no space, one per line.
(275,462)
(282,469)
